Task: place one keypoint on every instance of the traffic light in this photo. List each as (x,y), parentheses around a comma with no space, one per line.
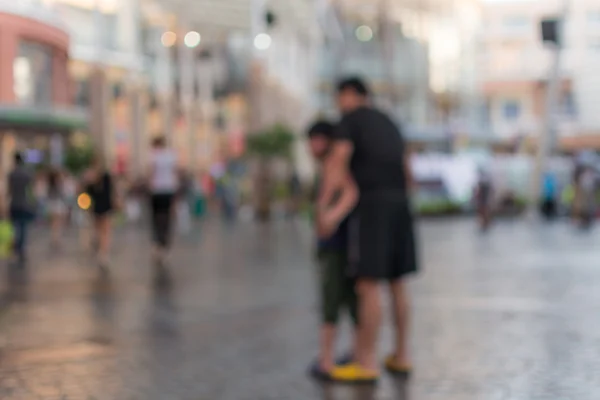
(551,31)
(270,19)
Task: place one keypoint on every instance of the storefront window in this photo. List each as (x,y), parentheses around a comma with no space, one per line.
(32,71)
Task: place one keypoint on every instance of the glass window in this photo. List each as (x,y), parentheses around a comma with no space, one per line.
(83,93)
(511,109)
(568,105)
(32,74)
(594,17)
(515,21)
(595,45)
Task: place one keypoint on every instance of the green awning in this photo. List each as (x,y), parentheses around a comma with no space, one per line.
(49,119)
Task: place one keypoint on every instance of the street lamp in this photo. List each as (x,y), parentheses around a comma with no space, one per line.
(364,33)
(192,39)
(262,41)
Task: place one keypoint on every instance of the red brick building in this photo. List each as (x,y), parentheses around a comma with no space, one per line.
(35,89)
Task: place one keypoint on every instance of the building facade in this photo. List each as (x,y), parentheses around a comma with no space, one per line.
(516,66)
(413,55)
(35,86)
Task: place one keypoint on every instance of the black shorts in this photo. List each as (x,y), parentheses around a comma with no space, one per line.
(161,203)
(382,243)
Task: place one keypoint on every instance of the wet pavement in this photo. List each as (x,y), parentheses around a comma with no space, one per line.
(508,315)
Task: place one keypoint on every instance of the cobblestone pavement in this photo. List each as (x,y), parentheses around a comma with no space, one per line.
(508,315)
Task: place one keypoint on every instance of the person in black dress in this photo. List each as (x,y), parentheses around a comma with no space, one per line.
(99,186)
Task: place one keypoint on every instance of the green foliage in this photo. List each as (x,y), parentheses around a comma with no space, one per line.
(274,142)
(78,158)
(281,191)
(439,207)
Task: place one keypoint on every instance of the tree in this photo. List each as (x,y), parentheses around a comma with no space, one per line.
(274,143)
(79,158)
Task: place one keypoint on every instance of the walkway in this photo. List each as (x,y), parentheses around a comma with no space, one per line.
(510,315)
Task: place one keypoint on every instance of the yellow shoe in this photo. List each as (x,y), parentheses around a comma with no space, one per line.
(392,366)
(354,374)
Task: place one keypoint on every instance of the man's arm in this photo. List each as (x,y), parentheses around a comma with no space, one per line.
(338,163)
(329,218)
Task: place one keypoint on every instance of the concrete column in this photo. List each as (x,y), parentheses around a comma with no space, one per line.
(205,79)
(128,26)
(164,83)
(99,115)
(186,82)
(138,143)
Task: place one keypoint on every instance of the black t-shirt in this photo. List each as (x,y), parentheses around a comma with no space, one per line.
(101,192)
(378,160)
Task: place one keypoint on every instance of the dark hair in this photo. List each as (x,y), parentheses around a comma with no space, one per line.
(355,84)
(159,141)
(18,158)
(321,128)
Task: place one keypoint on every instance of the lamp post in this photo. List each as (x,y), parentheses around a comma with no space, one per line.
(548,138)
(164,79)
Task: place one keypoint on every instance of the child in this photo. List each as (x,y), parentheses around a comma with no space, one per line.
(337,289)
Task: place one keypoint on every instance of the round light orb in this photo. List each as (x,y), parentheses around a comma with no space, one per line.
(192,39)
(262,41)
(84,201)
(168,39)
(364,33)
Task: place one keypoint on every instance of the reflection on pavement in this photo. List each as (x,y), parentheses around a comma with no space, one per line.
(234,317)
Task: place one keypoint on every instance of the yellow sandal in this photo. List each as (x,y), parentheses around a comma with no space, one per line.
(353,374)
(397,369)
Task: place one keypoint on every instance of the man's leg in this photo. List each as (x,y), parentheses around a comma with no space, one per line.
(370,316)
(401,309)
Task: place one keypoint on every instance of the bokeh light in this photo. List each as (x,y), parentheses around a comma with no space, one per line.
(262,41)
(84,201)
(168,39)
(192,39)
(364,33)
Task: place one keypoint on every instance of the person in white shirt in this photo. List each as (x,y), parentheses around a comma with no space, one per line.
(163,185)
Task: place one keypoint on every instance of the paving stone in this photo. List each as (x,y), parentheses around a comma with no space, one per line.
(503,316)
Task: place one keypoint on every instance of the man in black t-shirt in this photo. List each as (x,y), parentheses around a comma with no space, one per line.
(381,240)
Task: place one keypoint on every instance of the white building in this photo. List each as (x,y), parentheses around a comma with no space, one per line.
(432,52)
(515,67)
(153,80)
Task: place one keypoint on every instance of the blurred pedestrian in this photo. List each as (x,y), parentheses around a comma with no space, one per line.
(483,199)
(549,205)
(294,193)
(56,207)
(381,236)
(587,185)
(163,184)
(70,195)
(100,187)
(184,201)
(22,205)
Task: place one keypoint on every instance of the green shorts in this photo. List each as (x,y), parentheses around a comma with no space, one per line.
(337,289)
